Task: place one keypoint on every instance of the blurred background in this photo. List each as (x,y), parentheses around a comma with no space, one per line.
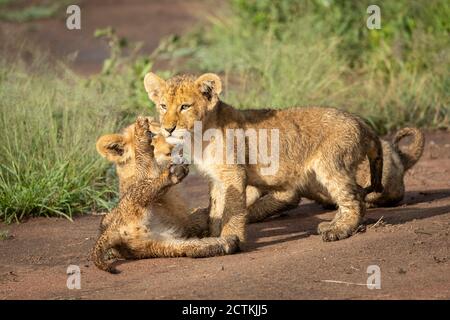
(61,89)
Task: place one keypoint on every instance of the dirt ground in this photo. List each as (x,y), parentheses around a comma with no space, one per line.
(283,259)
(146,21)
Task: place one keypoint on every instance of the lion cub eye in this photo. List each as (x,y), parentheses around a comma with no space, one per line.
(185,106)
(163,106)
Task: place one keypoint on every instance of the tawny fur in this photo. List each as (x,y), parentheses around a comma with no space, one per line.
(320,151)
(119,148)
(142,225)
(396,162)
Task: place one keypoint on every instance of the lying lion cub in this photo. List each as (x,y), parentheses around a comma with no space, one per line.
(319,151)
(143,224)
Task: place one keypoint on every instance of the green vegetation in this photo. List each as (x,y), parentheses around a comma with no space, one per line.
(50,119)
(4,234)
(21,11)
(49,125)
(126,63)
(283,53)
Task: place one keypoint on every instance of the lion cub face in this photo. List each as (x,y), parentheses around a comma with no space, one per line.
(120,149)
(182,100)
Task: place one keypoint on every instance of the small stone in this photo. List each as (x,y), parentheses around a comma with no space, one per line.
(401,271)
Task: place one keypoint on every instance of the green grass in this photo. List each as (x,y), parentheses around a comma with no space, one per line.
(49,122)
(50,119)
(284,53)
(4,235)
(9,10)
(5,2)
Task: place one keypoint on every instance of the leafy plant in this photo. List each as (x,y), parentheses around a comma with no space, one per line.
(4,234)
(127,62)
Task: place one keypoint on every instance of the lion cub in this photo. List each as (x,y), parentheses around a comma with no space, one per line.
(140,227)
(319,151)
(395,164)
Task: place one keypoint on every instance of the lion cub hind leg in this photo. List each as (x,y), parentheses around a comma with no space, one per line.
(209,247)
(195,248)
(198,223)
(272,204)
(345,192)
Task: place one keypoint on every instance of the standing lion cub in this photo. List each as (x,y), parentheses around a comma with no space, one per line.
(396,162)
(319,151)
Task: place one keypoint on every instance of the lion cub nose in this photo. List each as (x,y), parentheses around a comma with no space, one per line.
(170,130)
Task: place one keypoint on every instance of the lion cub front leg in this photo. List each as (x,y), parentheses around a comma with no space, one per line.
(349,197)
(228,203)
(152,181)
(146,165)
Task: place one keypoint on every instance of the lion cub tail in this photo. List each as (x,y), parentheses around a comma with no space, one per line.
(375,155)
(412,154)
(98,253)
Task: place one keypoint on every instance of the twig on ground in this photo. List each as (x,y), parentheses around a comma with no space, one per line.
(422,232)
(345,282)
(376,223)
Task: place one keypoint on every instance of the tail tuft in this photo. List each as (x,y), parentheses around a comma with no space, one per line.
(375,155)
(412,154)
(98,254)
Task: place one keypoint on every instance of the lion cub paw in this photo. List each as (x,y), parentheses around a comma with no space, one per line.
(141,126)
(177,172)
(232,244)
(332,231)
(142,130)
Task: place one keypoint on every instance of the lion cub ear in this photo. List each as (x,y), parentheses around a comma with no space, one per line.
(154,85)
(111,147)
(209,85)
